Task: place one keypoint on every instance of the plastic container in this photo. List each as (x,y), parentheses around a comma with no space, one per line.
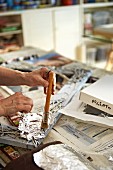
(2,1)
(91,56)
(10,4)
(3,7)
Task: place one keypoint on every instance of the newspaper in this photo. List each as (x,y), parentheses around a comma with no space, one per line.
(91,136)
(92,142)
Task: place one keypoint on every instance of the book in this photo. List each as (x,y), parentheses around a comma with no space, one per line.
(4,157)
(8,153)
(11,152)
(2,164)
(99,94)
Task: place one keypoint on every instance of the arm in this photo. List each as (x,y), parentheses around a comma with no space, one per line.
(11,77)
(19,102)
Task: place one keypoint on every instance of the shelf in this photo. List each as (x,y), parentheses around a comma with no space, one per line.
(10,33)
(97,5)
(12,13)
(100,38)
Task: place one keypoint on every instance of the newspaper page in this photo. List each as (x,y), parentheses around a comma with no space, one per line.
(90,135)
(92,142)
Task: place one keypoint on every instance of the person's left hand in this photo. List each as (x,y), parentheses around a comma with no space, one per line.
(15,103)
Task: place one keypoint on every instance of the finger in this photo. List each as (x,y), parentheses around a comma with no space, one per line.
(26,101)
(45,90)
(43,82)
(10,110)
(46,73)
(24,108)
(10,114)
(53,90)
(54,85)
(22,99)
(43,72)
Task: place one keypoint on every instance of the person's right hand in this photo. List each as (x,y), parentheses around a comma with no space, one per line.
(15,103)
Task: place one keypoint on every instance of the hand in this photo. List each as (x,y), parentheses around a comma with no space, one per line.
(37,77)
(15,103)
(51,87)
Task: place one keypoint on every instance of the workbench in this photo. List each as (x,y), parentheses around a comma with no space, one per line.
(86,139)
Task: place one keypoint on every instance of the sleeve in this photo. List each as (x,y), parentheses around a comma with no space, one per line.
(25,162)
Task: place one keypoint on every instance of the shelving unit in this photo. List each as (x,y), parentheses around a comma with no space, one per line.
(55,28)
(93,7)
(48,28)
(11,33)
(92,43)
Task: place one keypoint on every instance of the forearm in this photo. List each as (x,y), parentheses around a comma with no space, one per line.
(2,110)
(11,77)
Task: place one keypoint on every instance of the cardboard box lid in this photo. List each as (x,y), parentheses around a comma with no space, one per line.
(102,89)
(99,94)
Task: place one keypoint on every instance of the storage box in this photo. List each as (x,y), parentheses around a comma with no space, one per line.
(99,94)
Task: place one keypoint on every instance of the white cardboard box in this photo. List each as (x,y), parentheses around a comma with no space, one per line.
(99,94)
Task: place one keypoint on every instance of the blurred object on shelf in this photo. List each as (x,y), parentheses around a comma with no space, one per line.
(104,34)
(58,2)
(2,1)
(9,49)
(17,4)
(33,4)
(102,52)
(3,22)
(8,44)
(11,33)
(43,2)
(101,18)
(89,1)
(10,27)
(52,2)
(81,53)
(37,3)
(91,56)
(30,4)
(12,48)
(88,24)
(3,6)
(10,4)
(6,25)
(67,2)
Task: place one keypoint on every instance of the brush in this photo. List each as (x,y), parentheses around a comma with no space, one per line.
(44,124)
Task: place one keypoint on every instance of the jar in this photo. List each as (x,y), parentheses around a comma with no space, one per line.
(67,2)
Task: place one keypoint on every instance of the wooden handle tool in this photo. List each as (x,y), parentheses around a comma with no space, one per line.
(44,124)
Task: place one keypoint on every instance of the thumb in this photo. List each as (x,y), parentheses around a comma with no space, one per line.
(43,82)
